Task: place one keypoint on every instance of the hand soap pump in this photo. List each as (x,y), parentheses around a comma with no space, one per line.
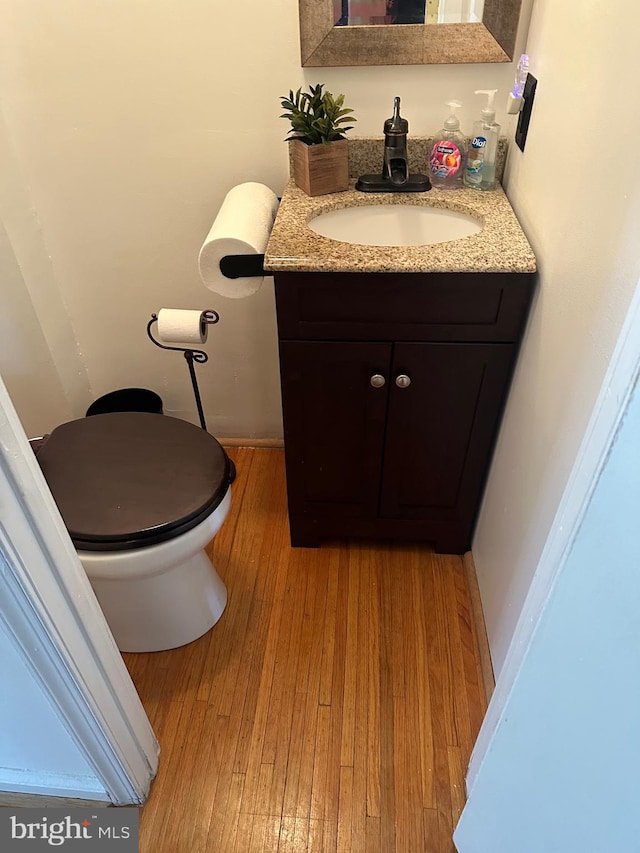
(448,155)
(480,173)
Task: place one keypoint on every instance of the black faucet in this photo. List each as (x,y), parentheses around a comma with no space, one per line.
(395,169)
(394,166)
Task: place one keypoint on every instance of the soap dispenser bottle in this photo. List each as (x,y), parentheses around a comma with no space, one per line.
(448,154)
(480,173)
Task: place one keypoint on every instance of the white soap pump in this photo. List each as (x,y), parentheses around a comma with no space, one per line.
(480,172)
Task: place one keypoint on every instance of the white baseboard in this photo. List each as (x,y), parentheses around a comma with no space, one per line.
(51,784)
(268,443)
(488,678)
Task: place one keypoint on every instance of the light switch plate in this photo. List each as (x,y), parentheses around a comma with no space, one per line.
(525,113)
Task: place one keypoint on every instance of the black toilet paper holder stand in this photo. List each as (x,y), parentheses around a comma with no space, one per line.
(209,318)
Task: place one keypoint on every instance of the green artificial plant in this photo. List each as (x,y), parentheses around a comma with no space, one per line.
(316,116)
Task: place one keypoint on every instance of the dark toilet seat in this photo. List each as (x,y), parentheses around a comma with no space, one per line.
(131,479)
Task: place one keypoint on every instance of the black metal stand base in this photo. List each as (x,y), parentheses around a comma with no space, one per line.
(378,184)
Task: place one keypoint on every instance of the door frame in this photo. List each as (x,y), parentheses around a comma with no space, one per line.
(51,615)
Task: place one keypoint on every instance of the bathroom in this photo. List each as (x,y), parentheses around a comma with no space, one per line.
(123,127)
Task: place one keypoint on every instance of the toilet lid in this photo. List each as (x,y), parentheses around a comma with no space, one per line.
(132,479)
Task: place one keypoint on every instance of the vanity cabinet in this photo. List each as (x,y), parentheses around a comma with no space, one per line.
(393,387)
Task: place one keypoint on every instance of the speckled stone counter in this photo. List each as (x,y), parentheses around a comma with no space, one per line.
(500,246)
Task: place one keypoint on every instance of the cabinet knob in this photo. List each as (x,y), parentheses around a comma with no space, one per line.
(403,381)
(377,380)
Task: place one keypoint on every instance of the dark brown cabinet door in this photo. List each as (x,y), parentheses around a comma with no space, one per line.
(334,421)
(441,428)
(402,461)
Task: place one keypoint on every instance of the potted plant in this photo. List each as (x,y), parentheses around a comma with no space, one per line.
(317,138)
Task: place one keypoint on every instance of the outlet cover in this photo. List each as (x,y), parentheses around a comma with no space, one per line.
(525,113)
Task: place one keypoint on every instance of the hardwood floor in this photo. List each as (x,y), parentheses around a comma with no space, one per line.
(332,708)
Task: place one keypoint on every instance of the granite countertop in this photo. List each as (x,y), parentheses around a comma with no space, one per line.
(500,246)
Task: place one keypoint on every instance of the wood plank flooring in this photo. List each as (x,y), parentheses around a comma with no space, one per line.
(332,708)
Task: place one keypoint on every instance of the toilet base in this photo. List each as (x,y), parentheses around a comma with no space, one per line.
(162,596)
(156,613)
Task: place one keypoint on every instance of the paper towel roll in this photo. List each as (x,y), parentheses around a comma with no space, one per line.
(177,325)
(242,227)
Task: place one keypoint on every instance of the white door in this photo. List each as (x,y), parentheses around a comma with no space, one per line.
(48,612)
(554,768)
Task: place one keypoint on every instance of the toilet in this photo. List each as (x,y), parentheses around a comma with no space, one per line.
(142,495)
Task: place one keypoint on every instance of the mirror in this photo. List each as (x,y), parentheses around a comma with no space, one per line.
(347,13)
(328,36)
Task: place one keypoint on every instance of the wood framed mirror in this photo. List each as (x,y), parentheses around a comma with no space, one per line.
(323,44)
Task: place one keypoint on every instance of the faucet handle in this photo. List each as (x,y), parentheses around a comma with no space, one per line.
(396,124)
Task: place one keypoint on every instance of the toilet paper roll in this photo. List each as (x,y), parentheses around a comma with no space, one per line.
(242,227)
(181,326)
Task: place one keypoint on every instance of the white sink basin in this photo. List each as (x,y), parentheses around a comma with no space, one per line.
(394,225)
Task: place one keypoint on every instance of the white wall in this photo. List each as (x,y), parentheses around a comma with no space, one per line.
(577,195)
(37,754)
(129,122)
(48,381)
(561,772)
(26,364)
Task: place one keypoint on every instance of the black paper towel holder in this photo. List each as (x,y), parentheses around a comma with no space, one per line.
(209,318)
(242,266)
